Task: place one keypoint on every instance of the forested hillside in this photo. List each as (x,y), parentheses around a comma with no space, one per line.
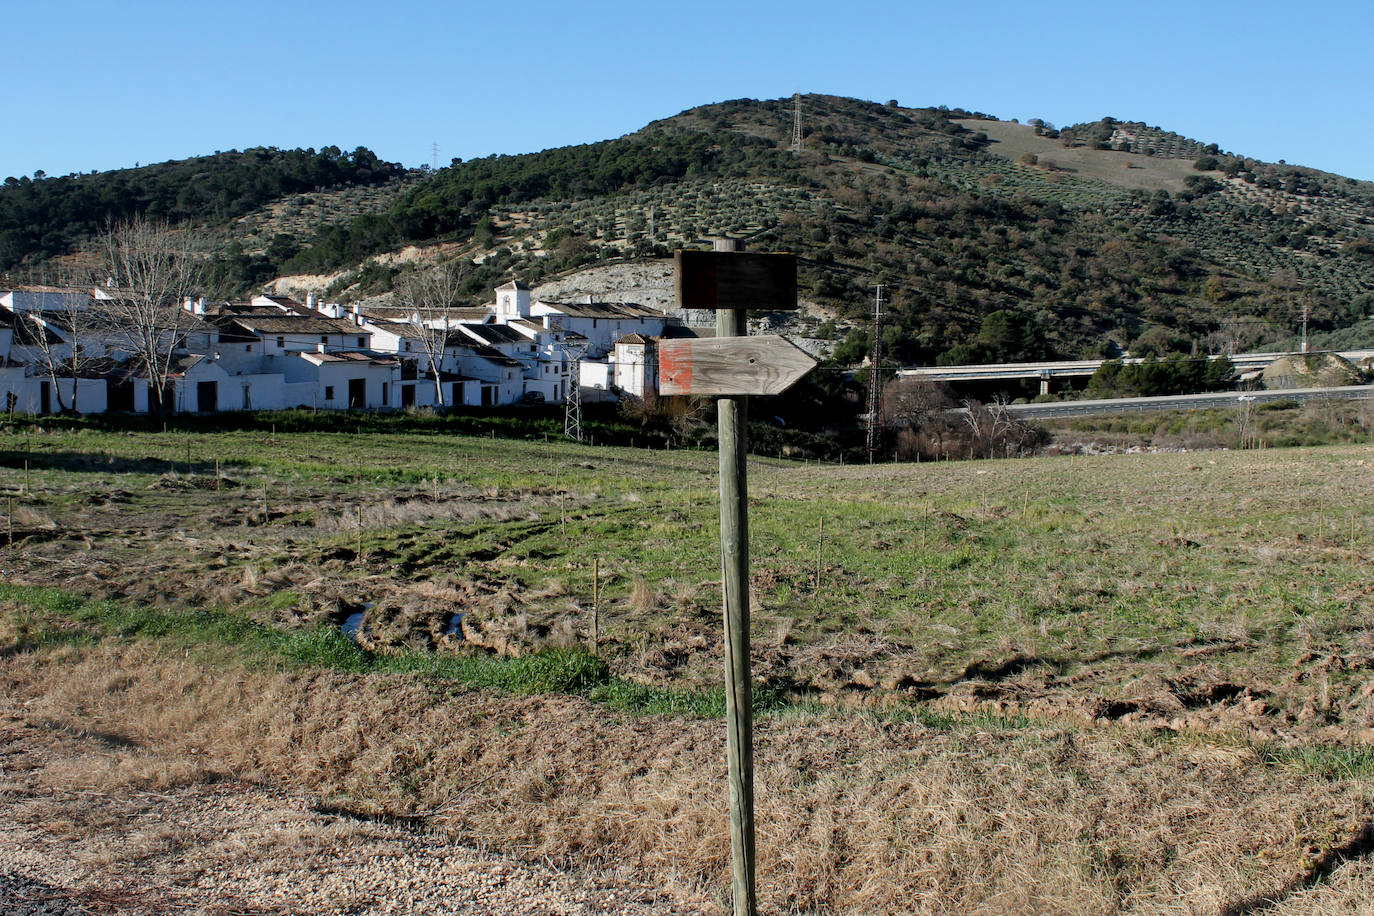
(43,217)
(995,240)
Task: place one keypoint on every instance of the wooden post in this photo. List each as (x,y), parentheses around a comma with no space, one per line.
(9,507)
(216,475)
(360,533)
(732,417)
(732,367)
(26,477)
(596,605)
(562,518)
(820,554)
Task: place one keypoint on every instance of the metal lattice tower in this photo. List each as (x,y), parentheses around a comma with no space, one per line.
(796,123)
(874,441)
(572,398)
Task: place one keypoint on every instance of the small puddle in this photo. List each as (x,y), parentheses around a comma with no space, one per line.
(352,625)
(455,626)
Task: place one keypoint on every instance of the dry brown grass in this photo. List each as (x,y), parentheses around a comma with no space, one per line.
(856,815)
(26,517)
(643,599)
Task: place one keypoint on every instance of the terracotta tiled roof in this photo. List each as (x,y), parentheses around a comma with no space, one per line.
(295,324)
(610,310)
(495,334)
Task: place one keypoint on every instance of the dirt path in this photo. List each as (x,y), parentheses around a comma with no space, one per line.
(75,841)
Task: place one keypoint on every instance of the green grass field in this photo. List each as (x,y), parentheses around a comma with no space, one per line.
(880,583)
(1001,647)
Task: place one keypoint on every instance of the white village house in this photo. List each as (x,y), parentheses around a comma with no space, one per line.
(35,374)
(274,352)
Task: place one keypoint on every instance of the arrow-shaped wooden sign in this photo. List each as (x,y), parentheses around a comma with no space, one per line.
(730,365)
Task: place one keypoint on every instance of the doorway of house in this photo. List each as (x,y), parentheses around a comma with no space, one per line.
(207,397)
(121,397)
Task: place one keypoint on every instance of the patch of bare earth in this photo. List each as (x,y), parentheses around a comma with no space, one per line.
(132,771)
(1125,170)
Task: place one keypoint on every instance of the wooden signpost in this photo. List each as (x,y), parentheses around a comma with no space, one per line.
(731,367)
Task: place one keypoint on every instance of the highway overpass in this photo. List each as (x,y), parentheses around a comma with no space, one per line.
(1046,371)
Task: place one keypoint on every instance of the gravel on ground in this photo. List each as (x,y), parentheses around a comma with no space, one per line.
(75,839)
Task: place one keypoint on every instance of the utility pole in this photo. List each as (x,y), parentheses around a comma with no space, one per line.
(874,441)
(434,156)
(1305,310)
(796,123)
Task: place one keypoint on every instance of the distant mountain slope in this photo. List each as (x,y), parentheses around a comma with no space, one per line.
(995,240)
(45,217)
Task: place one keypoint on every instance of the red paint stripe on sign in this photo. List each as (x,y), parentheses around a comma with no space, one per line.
(675,366)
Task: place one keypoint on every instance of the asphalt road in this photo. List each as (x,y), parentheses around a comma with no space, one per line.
(1184,402)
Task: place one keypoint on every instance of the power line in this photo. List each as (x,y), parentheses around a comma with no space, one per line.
(874,439)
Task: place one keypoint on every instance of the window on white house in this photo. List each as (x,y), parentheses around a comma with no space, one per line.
(362,342)
(281,342)
(329,392)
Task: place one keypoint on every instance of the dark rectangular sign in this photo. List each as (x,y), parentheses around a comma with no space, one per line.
(736,280)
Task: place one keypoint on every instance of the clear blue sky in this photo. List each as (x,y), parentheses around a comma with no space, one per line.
(105,85)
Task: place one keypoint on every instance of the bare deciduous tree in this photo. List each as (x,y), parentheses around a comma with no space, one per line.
(65,346)
(429,299)
(927,426)
(911,400)
(152,270)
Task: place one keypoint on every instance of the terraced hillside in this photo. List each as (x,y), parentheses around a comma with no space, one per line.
(1119,242)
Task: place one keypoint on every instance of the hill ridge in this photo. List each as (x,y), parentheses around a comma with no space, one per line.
(1095,236)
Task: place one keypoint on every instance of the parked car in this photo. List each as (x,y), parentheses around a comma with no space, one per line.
(532,397)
